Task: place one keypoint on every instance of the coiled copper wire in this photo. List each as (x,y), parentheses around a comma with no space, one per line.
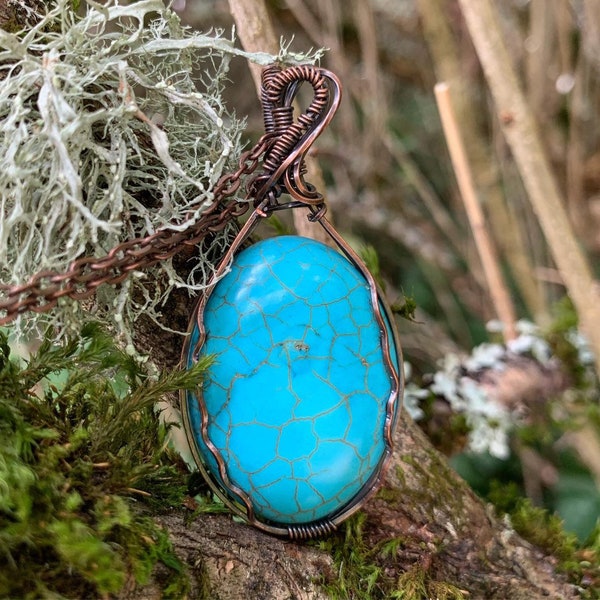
(283,164)
(278,91)
(311,530)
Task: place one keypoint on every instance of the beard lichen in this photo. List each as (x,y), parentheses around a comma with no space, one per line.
(112,126)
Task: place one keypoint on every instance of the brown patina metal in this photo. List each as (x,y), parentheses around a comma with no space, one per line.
(283,172)
(281,152)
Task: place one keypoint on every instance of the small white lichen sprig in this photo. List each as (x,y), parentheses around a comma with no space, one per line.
(113,126)
(489,421)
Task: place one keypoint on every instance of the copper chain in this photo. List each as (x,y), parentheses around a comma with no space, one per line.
(42,292)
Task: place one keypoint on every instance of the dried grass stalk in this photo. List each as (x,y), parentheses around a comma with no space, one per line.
(487,253)
(521,133)
(449,67)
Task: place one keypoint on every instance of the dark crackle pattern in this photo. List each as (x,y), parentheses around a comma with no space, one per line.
(297,395)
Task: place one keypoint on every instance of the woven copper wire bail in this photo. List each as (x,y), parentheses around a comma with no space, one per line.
(283,165)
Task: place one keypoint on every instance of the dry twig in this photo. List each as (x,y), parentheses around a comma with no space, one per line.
(520,130)
(485,247)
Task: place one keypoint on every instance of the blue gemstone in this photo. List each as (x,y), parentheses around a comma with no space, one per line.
(297,396)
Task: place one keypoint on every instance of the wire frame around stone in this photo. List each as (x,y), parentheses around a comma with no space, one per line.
(283,171)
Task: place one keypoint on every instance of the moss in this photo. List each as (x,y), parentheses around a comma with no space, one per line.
(390,495)
(415,584)
(438,482)
(580,563)
(400,475)
(545,530)
(371,260)
(365,572)
(83,458)
(411,585)
(358,576)
(406,309)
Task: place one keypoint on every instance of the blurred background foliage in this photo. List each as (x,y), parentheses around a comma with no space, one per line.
(390,184)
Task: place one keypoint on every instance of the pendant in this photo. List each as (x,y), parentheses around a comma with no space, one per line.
(293,426)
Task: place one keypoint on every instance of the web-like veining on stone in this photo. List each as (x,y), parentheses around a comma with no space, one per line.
(297,395)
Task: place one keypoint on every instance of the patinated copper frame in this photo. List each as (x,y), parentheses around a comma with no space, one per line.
(283,172)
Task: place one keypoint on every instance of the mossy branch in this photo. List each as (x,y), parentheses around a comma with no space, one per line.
(82,452)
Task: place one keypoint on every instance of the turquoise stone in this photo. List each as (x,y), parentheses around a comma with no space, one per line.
(296,397)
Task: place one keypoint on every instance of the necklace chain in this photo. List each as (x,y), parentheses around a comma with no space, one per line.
(42,292)
(281,151)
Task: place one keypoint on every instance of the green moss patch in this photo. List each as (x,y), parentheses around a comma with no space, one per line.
(83,461)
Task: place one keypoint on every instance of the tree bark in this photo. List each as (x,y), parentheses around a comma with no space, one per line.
(442,526)
(16,14)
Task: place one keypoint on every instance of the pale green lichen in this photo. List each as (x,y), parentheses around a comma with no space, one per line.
(112,126)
